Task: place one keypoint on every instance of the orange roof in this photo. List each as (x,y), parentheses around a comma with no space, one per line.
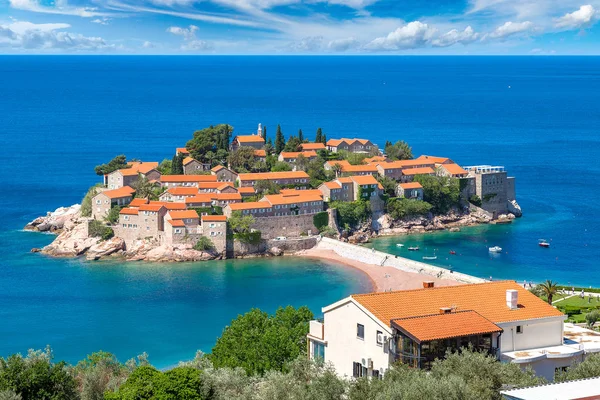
(376,159)
(332,185)
(138,201)
(188,178)
(249,205)
(187,160)
(359,168)
(249,139)
(169,205)
(364,179)
(213,218)
(279,199)
(183,191)
(182,214)
(260,153)
(342,163)
(150,207)
(201,198)
(391,165)
(454,169)
(336,142)
(437,160)
(182,150)
(124,191)
(129,211)
(488,299)
(246,190)
(295,154)
(415,163)
(293,192)
(176,222)
(345,180)
(312,146)
(227,196)
(224,185)
(217,168)
(259,176)
(411,185)
(213,185)
(418,171)
(138,167)
(445,326)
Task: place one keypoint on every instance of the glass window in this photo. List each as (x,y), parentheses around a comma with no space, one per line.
(318,351)
(360,331)
(519,328)
(379,338)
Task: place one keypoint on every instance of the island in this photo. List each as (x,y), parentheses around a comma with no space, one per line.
(226,196)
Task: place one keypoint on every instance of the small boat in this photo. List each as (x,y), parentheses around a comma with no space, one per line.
(399,245)
(495,249)
(452,252)
(543,243)
(430,258)
(415,248)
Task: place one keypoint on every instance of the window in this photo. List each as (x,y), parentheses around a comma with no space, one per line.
(318,351)
(212,234)
(519,328)
(177,230)
(358,370)
(212,225)
(379,338)
(98,201)
(360,331)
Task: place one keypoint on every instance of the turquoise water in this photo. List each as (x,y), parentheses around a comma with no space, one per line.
(61,116)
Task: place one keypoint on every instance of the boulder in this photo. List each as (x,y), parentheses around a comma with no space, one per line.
(514,208)
(276,251)
(454,229)
(71,242)
(106,248)
(36,250)
(147,251)
(56,220)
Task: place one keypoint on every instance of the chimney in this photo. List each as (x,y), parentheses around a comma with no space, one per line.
(445,310)
(428,284)
(512,299)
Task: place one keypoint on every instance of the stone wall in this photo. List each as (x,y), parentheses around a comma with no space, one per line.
(288,226)
(293,245)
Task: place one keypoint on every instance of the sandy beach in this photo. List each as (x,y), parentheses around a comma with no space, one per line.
(382,278)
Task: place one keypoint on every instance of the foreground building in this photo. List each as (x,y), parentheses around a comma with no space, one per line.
(104,201)
(128,176)
(493,186)
(362,335)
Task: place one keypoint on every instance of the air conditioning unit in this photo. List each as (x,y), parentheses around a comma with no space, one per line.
(380,338)
(364,362)
(370,363)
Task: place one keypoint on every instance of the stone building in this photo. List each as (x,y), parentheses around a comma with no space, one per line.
(351,188)
(287,203)
(391,170)
(128,176)
(285,178)
(214,227)
(191,166)
(254,141)
(351,145)
(169,181)
(145,221)
(452,170)
(494,187)
(410,190)
(223,174)
(292,157)
(408,175)
(312,146)
(107,199)
(178,193)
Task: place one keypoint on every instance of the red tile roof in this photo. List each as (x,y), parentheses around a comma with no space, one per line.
(312,146)
(249,139)
(445,326)
(411,185)
(295,154)
(364,179)
(273,175)
(201,198)
(169,205)
(454,169)
(183,214)
(280,199)
(436,160)
(187,160)
(246,190)
(129,211)
(183,191)
(488,299)
(213,185)
(332,185)
(138,201)
(124,191)
(227,196)
(150,207)
(217,168)
(188,178)
(139,168)
(176,222)
(260,153)
(249,205)
(337,142)
(418,171)
(213,218)
(225,185)
(182,150)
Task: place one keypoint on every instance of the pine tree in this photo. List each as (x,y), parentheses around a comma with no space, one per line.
(279,140)
(300,136)
(264,133)
(324,137)
(319,137)
(174,164)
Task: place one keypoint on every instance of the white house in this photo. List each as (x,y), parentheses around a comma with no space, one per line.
(362,335)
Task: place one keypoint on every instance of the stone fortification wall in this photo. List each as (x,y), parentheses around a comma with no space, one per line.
(374,257)
(293,245)
(289,226)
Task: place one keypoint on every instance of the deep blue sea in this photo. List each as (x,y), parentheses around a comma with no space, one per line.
(61,116)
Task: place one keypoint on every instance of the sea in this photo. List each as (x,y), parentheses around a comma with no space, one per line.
(62,115)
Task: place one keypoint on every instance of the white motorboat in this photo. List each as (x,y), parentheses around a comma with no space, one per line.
(495,249)
(399,245)
(430,258)
(415,248)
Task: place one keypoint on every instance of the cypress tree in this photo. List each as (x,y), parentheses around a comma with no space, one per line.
(324,137)
(264,133)
(300,136)
(279,140)
(319,137)
(173,164)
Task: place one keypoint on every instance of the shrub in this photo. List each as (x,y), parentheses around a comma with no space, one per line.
(86,203)
(351,213)
(475,200)
(248,237)
(113,215)
(98,229)
(321,220)
(592,317)
(329,232)
(204,244)
(399,208)
(443,193)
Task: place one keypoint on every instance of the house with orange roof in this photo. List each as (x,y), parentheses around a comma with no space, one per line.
(169,181)
(178,193)
(260,155)
(254,208)
(138,201)
(201,200)
(312,146)
(144,221)
(362,335)
(107,199)
(292,157)
(375,159)
(212,187)
(246,191)
(222,199)
(226,187)
(351,188)
(347,169)
(410,190)
(436,160)
(391,169)
(351,145)
(223,174)
(192,166)
(128,176)
(182,150)
(409,174)
(214,227)
(255,141)
(295,202)
(285,178)
(453,170)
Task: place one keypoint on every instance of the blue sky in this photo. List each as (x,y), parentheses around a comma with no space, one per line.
(462,27)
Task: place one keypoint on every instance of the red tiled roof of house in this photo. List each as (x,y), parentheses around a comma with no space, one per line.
(391,165)
(129,211)
(249,205)
(332,185)
(295,154)
(176,222)
(249,139)
(345,179)
(225,185)
(433,159)
(411,185)
(415,163)
(200,198)
(213,218)
(446,326)
(342,163)
(312,146)
(280,199)
(375,159)
(454,169)
(169,205)
(488,299)
(258,176)
(188,178)
(364,179)
(183,214)
(217,168)
(213,185)
(227,196)
(336,142)
(182,150)
(183,191)
(124,191)
(138,201)
(418,171)
(260,153)
(293,192)
(246,190)
(150,207)
(187,160)
(139,168)
(359,168)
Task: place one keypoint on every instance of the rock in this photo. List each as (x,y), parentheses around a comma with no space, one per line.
(383,221)
(454,229)
(106,248)
(148,250)
(514,208)
(36,250)
(358,238)
(55,221)
(71,242)
(510,216)
(276,251)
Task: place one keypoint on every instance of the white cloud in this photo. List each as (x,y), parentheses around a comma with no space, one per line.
(582,18)
(148,45)
(511,28)
(187,33)
(308,44)
(26,36)
(343,44)
(455,36)
(191,43)
(101,21)
(60,7)
(412,35)
(197,45)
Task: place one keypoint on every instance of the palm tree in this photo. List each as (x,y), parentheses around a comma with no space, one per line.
(549,289)
(337,168)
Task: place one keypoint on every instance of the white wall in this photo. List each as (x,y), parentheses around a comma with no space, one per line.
(536,334)
(546,367)
(344,348)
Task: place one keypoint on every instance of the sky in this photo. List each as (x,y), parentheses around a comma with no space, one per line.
(279,27)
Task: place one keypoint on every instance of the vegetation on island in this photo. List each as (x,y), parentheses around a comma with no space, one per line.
(119,162)
(99,229)
(211,145)
(351,213)
(398,151)
(204,244)
(263,357)
(581,305)
(400,208)
(86,202)
(241,227)
(443,193)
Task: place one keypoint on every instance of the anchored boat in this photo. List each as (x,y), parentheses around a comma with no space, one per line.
(415,248)
(430,258)
(543,243)
(495,249)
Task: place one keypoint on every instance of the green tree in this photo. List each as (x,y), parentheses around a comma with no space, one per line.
(240,223)
(37,377)
(589,368)
(293,144)
(264,133)
(549,289)
(119,162)
(591,318)
(113,215)
(213,138)
(279,140)
(400,208)
(302,163)
(145,189)
(266,187)
(351,213)
(259,342)
(269,149)
(324,139)
(319,136)
(443,193)
(242,159)
(300,136)
(98,373)
(475,200)
(86,202)
(260,166)
(99,229)
(355,158)
(165,167)
(281,166)
(398,151)
(177,164)
(389,185)
(204,244)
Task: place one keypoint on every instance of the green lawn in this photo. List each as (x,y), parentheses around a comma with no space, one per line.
(577,307)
